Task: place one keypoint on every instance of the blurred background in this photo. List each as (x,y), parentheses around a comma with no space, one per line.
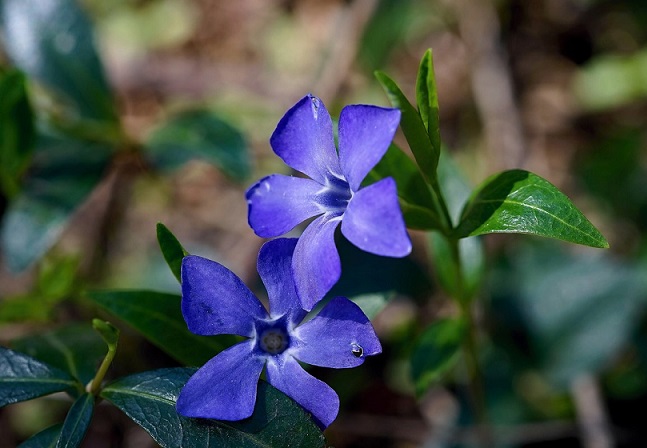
(557,87)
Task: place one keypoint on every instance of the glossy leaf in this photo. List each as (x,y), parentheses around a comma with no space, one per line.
(171,249)
(158,317)
(414,129)
(416,200)
(149,399)
(47,438)
(52,41)
(436,352)
(427,99)
(76,422)
(518,201)
(76,349)
(16,131)
(23,378)
(62,174)
(199,134)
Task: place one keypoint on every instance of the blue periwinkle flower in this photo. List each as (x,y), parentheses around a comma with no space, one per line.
(370,217)
(215,301)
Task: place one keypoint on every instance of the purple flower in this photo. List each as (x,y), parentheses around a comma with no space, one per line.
(215,301)
(370,217)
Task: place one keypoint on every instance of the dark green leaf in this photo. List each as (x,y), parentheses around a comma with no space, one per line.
(414,130)
(16,131)
(52,42)
(436,352)
(199,134)
(77,422)
(76,349)
(23,378)
(171,249)
(427,99)
(63,173)
(158,317)
(416,200)
(149,399)
(518,201)
(47,438)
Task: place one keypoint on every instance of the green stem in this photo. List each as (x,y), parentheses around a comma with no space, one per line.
(95,384)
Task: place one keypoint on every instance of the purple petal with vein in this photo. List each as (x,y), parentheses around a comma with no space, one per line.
(216,301)
(373,221)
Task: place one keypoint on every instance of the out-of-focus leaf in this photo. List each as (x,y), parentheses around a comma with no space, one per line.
(414,130)
(372,304)
(436,352)
(23,378)
(56,275)
(455,188)
(199,134)
(578,310)
(158,317)
(149,399)
(76,349)
(171,249)
(472,257)
(427,99)
(16,131)
(47,438)
(416,200)
(518,201)
(76,422)
(63,173)
(52,42)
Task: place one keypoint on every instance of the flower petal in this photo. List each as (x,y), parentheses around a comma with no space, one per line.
(315,396)
(374,223)
(365,133)
(278,203)
(225,387)
(316,263)
(275,269)
(215,300)
(304,139)
(339,336)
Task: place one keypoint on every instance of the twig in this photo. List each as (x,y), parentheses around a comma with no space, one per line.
(592,417)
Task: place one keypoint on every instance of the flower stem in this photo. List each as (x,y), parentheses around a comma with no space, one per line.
(95,384)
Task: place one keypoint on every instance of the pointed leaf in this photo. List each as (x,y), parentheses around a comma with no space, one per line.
(518,201)
(76,349)
(436,352)
(149,399)
(23,378)
(199,134)
(427,98)
(52,42)
(63,172)
(158,317)
(414,130)
(171,249)
(77,422)
(47,438)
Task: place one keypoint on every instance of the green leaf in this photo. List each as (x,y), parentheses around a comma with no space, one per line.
(414,129)
(372,303)
(518,201)
(63,173)
(47,438)
(149,399)
(171,249)
(199,134)
(158,317)
(17,133)
(416,200)
(52,41)
(427,99)
(77,422)
(23,378)
(455,188)
(436,352)
(76,349)
(109,333)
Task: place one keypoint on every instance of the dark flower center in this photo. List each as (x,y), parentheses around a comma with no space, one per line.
(272,337)
(336,195)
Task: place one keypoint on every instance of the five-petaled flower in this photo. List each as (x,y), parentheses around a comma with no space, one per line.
(215,301)
(370,216)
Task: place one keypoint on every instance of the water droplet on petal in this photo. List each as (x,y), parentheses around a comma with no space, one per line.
(356,350)
(315,106)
